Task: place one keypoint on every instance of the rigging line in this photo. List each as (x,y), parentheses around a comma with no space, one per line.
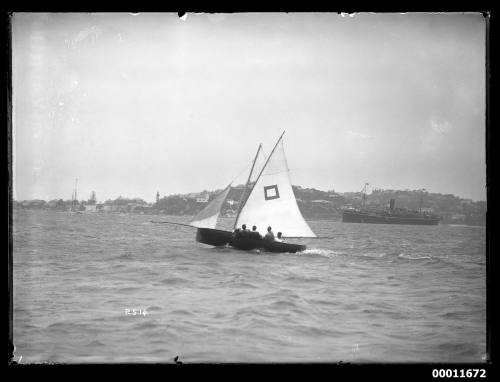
(174,223)
(263,153)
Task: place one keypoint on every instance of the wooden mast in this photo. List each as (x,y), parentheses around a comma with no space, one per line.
(240,204)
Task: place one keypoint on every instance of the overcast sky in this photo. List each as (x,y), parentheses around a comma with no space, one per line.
(134,104)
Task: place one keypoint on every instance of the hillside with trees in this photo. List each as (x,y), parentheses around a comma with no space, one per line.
(314,204)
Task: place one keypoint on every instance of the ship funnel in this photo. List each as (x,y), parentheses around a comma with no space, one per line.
(392,204)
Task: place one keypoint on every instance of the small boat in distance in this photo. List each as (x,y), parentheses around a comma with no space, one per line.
(266,201)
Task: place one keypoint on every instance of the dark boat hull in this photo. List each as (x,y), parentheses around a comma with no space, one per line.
(215,237)
(249,243)
(220,238)
(379,218)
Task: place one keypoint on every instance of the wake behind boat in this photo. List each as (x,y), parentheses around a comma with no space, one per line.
(267,201)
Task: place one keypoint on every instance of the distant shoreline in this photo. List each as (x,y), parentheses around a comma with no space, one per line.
(183,218)
(312,203)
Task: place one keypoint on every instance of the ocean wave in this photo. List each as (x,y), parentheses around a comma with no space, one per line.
(280,294)
(182,312)
(153,308)
(174,281)
(451,315)
(414,256)
(70,327)
(371,311)
(315,331)
(88,288)
(376,255)
(146,325)
(461,349)
(128,289)
(321,302)
(95,343)
(253,312)
(303,279)
(243,285)
(125,256)
(283,304)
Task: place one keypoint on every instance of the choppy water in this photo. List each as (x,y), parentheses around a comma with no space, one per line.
(371,293)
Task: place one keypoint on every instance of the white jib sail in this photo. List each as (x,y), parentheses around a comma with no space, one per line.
(258,164)
(207,218)
(272,201)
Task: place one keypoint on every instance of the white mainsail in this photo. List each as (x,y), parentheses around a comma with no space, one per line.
(272,201)
(207,218)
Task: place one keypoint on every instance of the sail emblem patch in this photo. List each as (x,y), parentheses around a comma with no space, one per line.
(271,192)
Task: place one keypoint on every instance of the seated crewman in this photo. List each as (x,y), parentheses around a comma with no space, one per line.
(269,235)
(279,238)
(256,233)
(244,231)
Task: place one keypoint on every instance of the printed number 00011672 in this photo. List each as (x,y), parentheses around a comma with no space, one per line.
(459,373)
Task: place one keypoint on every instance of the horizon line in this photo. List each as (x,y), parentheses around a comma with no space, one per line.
(237,186)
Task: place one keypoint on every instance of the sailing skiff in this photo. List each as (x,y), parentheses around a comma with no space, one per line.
(267,200)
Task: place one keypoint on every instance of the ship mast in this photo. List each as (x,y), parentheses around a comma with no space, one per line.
(423,191)
(364,195)
(74,198)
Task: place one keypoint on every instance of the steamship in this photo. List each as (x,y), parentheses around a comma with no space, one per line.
(391,215)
